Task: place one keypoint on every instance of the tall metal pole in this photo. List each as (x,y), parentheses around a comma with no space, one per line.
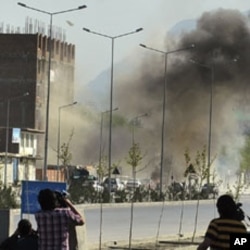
(111,94)
(111,118)
(51,14)
(210,116)
(163,122)
(59,135)
(210,124)
(101,129)
(165,53)
(6,142)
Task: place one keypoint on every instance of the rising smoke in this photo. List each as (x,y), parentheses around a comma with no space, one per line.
(222,40)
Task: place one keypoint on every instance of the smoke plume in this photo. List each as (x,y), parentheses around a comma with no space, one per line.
(221,53)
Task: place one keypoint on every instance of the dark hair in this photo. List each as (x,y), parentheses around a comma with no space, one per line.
(227,207)
(47,199)
(24,227)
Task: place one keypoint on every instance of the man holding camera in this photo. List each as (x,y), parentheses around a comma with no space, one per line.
(54,221)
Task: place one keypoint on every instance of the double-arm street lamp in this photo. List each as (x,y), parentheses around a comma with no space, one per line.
(8,101)
(51,14)
(59,134)
(165,53)
(211,68)
(111,88)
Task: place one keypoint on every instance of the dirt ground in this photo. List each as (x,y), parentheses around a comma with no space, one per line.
(183,244)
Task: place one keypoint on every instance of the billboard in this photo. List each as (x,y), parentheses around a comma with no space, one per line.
(30,191)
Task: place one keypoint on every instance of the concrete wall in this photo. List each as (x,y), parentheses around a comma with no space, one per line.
(10,217)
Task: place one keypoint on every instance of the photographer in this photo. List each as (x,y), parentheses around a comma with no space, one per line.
(218,233)
(55,220)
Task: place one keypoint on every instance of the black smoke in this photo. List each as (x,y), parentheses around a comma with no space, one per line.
(222,41)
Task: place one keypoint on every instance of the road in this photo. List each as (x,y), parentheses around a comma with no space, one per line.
(146,217)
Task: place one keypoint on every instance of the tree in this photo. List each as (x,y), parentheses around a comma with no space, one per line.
(65,156)
(245,157)
(134,157)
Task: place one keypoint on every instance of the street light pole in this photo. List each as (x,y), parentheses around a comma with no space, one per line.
(101,127)
(51,14)
(165,53)
(59,134)
(7,133)
(211,68)
(111,89)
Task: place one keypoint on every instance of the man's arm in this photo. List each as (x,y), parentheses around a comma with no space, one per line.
(74,210)
(205,244)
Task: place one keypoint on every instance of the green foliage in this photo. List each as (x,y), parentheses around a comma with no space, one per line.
(199,166)
(237,188)
(8,198)
(102,168)
(245,156)
(134,155)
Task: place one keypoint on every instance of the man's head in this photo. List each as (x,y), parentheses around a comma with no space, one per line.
(226,206)
(24,227)
(47,199)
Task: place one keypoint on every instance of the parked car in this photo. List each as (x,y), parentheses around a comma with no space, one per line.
(133,184)
(209,191)
(116,184)
(97,186)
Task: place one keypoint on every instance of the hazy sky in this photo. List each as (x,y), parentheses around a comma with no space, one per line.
(112,17)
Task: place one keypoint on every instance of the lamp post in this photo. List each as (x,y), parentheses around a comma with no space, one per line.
(51,14)
(100,165)
(211,68)
(165,53)
(101,127)
(111,88)
(59,133)
(8,101)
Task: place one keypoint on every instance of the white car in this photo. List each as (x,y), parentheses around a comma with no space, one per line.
(97,186)
(133,184)
(115,184)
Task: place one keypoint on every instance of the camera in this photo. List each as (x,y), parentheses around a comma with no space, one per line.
(60,198)
(240,215)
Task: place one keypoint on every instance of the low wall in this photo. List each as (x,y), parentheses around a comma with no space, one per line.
(10,217)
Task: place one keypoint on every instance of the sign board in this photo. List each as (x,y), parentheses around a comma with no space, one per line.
(16,135)
(30,191)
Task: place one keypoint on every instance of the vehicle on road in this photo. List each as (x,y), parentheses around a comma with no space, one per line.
(209,191)
(115,184)
(133,184)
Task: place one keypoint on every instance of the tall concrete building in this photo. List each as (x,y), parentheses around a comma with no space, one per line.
(23,99)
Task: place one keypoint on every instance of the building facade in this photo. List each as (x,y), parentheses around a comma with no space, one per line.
(23,99)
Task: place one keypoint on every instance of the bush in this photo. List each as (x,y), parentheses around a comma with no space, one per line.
(8,198)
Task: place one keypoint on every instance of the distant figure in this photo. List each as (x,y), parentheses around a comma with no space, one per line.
(24,238)
(55,221)
(218,233)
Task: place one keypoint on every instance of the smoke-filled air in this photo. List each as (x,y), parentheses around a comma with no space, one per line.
(217,67)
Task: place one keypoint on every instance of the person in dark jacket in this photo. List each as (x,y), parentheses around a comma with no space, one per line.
(24,238)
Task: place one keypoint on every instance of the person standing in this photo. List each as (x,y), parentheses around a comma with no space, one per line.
(218,232)
(54,222)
